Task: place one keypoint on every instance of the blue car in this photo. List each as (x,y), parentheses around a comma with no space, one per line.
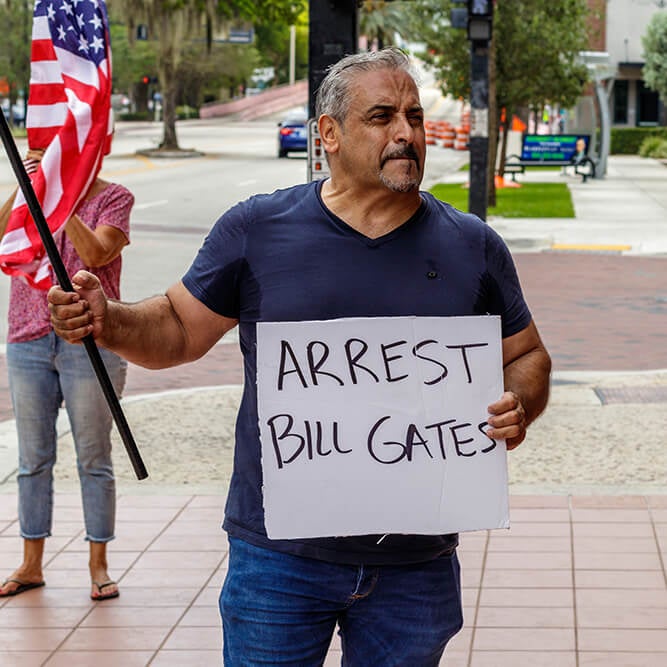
(293,133)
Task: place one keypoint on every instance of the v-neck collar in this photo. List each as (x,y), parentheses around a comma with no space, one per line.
(366,240)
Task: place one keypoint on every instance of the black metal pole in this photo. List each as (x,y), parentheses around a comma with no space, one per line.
(332,35)
(61,274)
(479,128)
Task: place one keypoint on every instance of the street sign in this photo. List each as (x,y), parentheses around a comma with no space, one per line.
(318,167)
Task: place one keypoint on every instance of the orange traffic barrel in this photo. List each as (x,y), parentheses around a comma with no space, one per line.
(461,140)
(448,136)
(431,131)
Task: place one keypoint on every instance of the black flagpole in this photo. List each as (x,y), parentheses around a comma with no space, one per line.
(61,274)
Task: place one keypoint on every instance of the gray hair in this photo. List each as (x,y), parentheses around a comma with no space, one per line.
(333,95)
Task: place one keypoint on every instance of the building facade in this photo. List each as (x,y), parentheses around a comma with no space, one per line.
(623,23)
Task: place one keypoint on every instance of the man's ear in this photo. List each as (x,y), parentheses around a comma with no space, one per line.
(329,130)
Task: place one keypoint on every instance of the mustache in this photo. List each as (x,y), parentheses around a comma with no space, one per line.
(408,151)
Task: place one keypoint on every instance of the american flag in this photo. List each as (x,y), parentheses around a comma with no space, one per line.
(69,114)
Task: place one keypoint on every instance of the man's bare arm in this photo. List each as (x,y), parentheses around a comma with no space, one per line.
(527,367)
(158,332)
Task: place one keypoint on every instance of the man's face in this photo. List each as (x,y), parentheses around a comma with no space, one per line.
(382,138)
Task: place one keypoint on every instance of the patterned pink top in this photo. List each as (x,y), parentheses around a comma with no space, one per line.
(28,310)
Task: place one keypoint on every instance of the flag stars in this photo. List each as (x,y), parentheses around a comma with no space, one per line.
(80,21)
(97,44)
(67,8)
(51,13)
(61,33)
(83,43)
(96,21)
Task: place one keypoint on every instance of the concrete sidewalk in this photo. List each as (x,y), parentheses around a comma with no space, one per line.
(578,581)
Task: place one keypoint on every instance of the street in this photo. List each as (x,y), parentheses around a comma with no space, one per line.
(596,310)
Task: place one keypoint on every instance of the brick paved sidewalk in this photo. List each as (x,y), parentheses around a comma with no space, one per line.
(577,581)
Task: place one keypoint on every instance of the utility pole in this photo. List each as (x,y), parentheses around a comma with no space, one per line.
(332,35)
(480,22)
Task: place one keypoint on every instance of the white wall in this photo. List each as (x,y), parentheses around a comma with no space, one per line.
(628,20)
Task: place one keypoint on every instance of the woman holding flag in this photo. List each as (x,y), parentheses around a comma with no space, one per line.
(44,371)
(69,113)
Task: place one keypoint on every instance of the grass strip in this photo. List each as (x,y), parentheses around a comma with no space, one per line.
(531,200)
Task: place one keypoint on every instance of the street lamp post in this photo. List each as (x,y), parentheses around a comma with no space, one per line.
(480,20)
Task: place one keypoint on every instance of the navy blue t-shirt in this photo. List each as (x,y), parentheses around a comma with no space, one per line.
(286,257)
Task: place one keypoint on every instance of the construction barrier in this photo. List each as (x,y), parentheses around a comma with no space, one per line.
(462,136)
(447,136)
(431,131)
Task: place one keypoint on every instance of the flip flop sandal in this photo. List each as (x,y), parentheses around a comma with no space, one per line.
(22,587)
(101,595)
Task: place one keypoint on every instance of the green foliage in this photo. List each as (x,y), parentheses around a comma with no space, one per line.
(203,73)
(130,61)
(272,44)
(136,115)
(531,200)
(535,47)
(184,112)
(654,147)
(173,25)
(16,22)
(628,140)
(380,20)
(655,54)
(446,50)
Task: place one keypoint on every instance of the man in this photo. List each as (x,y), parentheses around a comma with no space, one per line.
(364,243)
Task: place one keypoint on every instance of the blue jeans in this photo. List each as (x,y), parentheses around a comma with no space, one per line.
(279,609)
(43,373)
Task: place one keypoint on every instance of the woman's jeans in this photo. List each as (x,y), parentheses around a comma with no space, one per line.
(43,373)
(279,609)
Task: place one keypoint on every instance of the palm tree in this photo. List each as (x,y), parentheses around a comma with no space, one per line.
(380,20)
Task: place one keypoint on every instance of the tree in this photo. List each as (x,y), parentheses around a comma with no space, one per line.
(273,45)
(533,56)
(173,24)
(131,63)
(16,22)
(380,20)
(655,54)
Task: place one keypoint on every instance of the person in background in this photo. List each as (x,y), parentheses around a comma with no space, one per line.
(365,242)
(44,372)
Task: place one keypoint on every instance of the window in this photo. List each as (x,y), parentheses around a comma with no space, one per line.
(621,101)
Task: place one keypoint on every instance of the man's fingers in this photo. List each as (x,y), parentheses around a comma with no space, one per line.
(85,280)
(507,420)
(57,296)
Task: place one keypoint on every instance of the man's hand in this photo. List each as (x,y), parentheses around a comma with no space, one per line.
(508,420)
(77,314)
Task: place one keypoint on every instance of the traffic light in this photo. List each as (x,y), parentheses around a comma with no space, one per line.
(458,15)
(480,20)
(480,7)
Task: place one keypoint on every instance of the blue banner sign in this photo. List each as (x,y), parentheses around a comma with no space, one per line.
(554,147)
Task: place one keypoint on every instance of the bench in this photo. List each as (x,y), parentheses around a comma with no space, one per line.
(552,150)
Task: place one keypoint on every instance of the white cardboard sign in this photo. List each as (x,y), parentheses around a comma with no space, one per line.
(376,425)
